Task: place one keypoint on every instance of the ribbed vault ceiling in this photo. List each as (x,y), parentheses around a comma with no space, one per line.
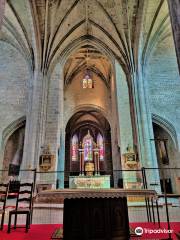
(45,31)
(88,58)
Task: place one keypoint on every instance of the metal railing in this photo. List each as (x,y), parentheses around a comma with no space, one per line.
(165,208)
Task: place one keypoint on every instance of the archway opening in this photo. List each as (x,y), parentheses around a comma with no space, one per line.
(166,158)
(13,153)
(90,102)
(88,140)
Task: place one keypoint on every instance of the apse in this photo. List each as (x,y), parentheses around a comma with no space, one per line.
(87,81)
(89,132)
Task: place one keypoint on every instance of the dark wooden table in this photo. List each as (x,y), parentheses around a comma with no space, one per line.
(94,214)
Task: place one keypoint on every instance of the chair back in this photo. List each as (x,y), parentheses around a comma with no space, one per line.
(4,188)
(25,195)
(14,186)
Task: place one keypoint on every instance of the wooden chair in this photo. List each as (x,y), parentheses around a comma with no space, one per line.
(3,197)
(25,195)
(13,188)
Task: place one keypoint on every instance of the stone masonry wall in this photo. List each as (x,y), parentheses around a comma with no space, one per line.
(14,76)
(163,84)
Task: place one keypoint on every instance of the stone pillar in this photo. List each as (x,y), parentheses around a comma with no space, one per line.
(2,8)
(35,121)
(116,157)
(174,10)
(61,156)
(55,135)
(147,153)
(125,123)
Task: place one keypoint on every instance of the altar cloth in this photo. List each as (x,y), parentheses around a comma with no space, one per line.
(101,181)
(56,195)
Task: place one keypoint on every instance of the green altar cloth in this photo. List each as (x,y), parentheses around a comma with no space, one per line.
(102,181)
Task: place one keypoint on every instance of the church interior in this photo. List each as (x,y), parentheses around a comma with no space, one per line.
(90,115)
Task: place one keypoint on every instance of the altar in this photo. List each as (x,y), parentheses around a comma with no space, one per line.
(90,214)
(99,181)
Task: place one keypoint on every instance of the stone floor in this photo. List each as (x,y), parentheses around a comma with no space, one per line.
(138,214)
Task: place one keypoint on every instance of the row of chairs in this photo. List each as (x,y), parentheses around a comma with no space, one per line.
(24,195)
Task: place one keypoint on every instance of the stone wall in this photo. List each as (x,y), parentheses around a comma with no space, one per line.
(163,88)
(2,6)
(164,84)
(160,133)
(75,96)
(14,77)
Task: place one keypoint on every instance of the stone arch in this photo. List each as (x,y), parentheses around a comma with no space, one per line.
(13,144)
(166,152)
(88,121)
(167,126)
(89,107)
(11,128)
(77,43)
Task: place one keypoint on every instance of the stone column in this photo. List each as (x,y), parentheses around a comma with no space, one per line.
(174,10)
(125,123)
(35,120)
(147,153)
(115,140)
(61,157)
(2,8)
(55,133)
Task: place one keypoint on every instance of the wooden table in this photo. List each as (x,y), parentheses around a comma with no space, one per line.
(94,214)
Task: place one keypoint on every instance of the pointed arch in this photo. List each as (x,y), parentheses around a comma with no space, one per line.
(165,124)
(11,128)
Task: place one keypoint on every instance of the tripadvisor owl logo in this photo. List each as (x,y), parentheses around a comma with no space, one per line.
(139,231)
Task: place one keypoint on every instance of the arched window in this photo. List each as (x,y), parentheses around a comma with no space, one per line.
(87,82)
(100,144)
(74,148)
(88,147)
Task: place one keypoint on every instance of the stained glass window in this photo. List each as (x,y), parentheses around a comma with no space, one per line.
(74,148)
(100,145)
(87,82)
(88,147)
